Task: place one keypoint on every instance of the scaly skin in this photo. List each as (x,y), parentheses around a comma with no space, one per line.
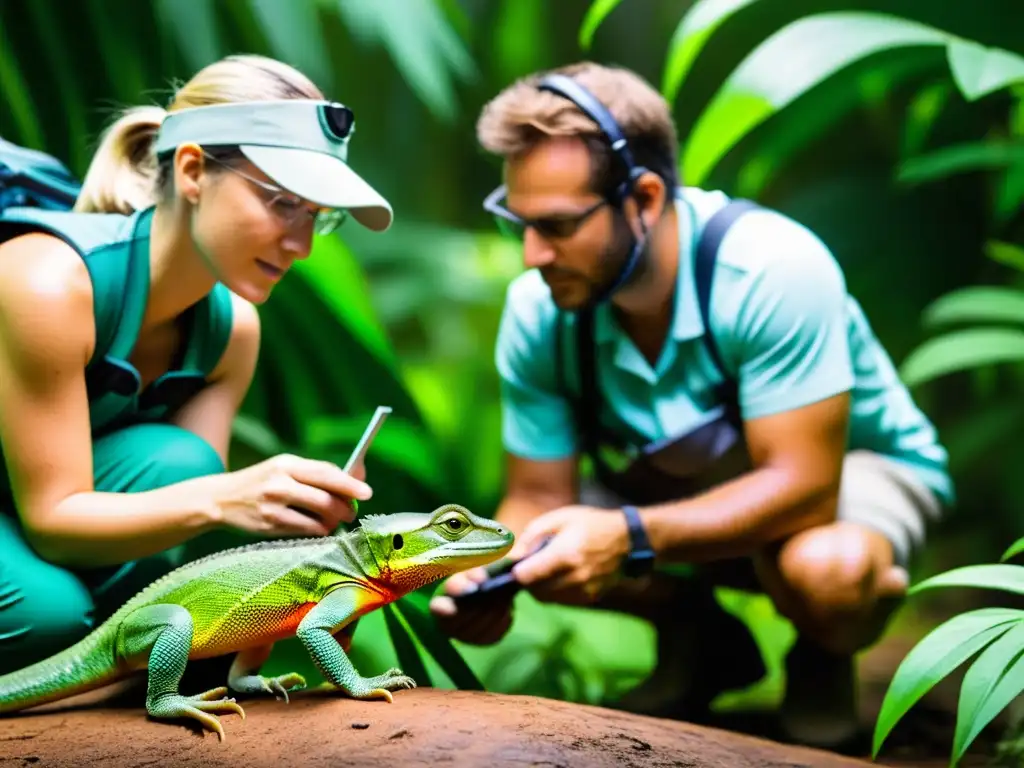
(245,599)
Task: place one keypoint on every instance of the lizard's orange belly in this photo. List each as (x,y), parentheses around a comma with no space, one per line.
(246,627)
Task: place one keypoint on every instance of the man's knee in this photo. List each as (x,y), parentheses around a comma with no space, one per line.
(43,610)
(147,456)
(833,570)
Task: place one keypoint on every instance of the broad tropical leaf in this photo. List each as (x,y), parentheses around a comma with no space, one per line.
(937,654)
(336,277)
(193,27)
(1013,550)
(961,158)
(798,57)
(976,304)
(596,13)
(17,98)
(409,660)
(294,33)
(991,682)
(960,351)
(415,610)
(979,70)
(1009,578)
(424,47)
(694,30)
(1005,253)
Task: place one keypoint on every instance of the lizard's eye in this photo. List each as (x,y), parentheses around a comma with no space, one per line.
(454,524)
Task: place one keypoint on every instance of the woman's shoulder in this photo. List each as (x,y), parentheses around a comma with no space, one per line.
(43,277)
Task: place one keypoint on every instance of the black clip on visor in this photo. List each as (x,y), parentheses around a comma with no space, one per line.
(337,120)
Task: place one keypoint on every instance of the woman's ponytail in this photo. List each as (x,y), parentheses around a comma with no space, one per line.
(122,176)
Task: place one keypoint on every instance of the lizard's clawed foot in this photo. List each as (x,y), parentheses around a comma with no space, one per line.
(278,686)
(196,707)
(381,686)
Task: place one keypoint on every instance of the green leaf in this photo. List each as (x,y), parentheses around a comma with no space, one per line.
(1013,550)
(693,31)
(1009,578)
(17,99)
(960,351)
(979,71)
(596,13)
(414,609)
(991,682)
(961,158)
(923,111)
(67,84)
(976,304)
(937,654)
(1005,253)
(974,437)
(257,435)
(785,66)
(194,27)
(1009,195)
(409,660)
(336,277)
(295,35)
(419,39)
(116,46)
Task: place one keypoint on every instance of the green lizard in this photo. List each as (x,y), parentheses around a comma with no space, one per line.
(245,599)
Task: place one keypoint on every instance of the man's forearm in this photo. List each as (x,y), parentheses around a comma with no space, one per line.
(518,511)
(739,517)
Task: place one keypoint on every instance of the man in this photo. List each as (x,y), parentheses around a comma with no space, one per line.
(737,411)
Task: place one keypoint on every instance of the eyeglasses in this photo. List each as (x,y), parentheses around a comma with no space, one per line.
(550,227)
(289,208)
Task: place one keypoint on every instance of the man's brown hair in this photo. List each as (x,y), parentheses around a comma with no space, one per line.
(521,115)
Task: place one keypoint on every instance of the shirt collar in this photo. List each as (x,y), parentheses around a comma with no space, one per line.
(686,319)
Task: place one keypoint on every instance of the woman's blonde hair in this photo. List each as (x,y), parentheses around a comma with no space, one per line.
(124,175)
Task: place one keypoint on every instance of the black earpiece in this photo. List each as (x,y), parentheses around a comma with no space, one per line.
(569,89)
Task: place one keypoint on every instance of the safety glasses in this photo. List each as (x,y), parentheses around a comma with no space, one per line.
(291,210)
(550,227)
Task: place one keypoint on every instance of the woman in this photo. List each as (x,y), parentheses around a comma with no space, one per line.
(129,336)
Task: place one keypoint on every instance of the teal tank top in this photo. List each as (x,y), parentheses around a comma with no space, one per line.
(115,249)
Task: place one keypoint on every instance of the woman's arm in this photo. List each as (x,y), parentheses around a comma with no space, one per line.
(47,334)
(211,413)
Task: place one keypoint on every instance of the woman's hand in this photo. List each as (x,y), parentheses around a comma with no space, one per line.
(287,496)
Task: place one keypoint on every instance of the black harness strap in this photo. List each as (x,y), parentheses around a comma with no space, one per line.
(586,407)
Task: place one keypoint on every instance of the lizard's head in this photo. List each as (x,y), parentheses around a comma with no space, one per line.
(413,549)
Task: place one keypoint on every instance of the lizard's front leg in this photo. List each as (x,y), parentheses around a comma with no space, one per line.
(317,630)
(161,635)
(244,677)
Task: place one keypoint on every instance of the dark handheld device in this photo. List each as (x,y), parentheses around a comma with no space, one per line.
(501,585)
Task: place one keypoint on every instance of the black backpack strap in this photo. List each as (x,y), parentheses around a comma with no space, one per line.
(704,270)
(588,404)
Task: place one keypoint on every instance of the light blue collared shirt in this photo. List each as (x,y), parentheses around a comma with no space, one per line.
(785,327)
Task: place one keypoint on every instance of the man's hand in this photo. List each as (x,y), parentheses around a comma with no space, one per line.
(481,624)
(581,560)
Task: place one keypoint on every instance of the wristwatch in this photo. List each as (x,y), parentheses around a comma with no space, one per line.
(640,560)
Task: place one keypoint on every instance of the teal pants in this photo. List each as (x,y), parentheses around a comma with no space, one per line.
(45,608)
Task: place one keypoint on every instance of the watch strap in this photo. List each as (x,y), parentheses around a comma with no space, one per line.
(640,559)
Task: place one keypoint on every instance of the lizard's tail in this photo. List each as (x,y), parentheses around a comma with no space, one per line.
(86,665)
